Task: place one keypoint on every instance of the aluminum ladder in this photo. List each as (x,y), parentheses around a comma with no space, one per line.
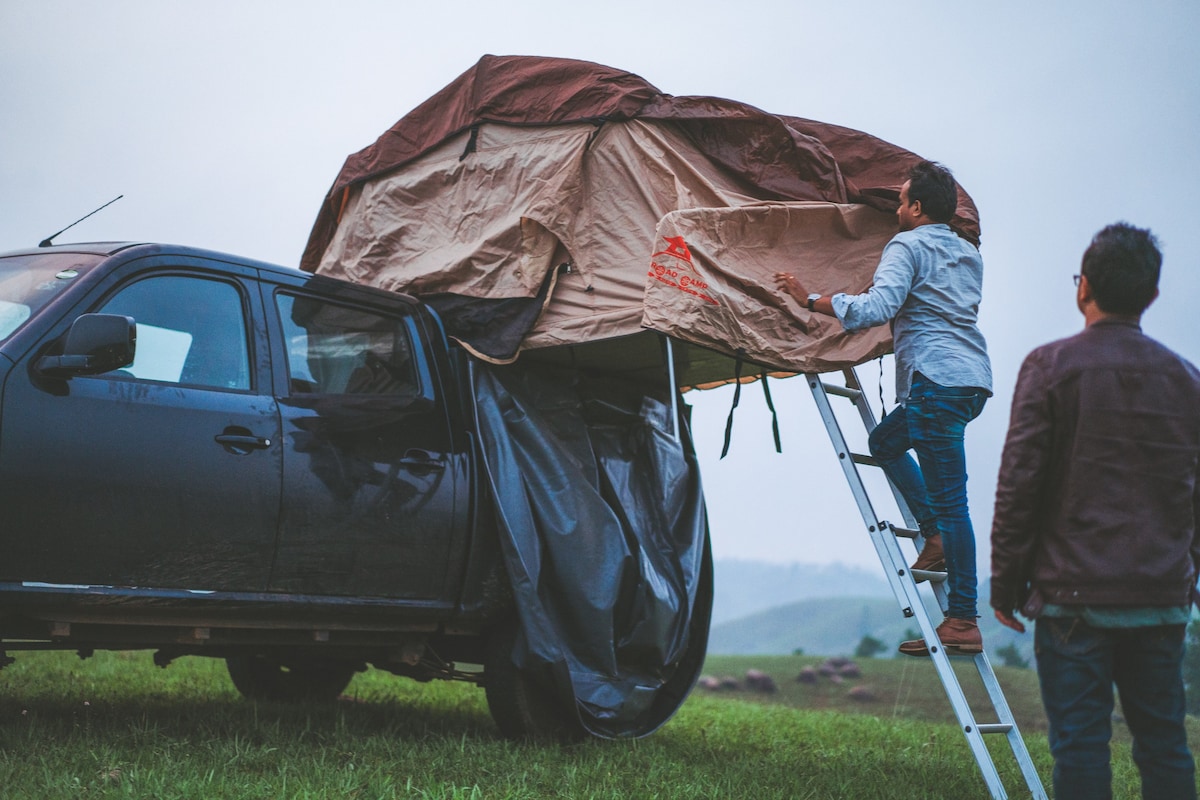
(885,536)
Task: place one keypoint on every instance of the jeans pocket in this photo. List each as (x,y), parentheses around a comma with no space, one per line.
(950,413)
(1061,628)
(959,403)
(1070,636)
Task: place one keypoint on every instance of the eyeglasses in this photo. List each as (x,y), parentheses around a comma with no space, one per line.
(1077,278)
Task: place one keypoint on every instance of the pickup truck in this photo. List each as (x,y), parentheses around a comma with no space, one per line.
(206,455)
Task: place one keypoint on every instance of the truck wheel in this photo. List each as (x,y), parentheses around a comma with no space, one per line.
(521,707)
(262,678)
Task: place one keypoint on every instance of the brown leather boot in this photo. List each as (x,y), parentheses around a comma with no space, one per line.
(958,637)
(931,559)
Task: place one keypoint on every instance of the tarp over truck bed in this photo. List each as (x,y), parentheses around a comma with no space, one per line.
(604,537)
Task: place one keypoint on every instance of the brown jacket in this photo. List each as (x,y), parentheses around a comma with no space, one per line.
(1098,498)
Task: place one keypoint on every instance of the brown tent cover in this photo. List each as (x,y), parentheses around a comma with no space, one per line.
(562,202)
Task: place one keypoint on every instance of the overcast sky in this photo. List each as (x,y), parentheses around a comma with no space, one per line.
(224,123)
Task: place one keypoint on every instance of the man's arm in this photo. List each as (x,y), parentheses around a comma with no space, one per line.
(792,285)
(879,304)
(893,281)
(1019,491)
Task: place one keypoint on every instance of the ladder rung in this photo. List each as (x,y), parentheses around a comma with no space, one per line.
(907,533)
(928,575)
(842,391)
(859,458)
(994,727)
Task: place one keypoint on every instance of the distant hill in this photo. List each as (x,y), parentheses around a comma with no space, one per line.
(825,626)
(742,588)
(831,625)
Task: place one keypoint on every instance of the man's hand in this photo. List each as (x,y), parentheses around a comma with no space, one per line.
(790,284)
(1008,620)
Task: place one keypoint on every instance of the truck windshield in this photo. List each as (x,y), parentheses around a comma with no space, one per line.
(29,282)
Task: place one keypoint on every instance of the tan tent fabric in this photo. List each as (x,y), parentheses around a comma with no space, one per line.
(710,283)
(469,226)
(524,166)
(597,193)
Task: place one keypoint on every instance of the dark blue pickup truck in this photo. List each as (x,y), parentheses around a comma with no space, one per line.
(206,455)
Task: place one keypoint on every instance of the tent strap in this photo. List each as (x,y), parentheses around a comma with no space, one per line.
(774,415)
(737,395)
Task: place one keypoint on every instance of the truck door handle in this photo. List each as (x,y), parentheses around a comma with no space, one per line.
(241,441)
(421,459)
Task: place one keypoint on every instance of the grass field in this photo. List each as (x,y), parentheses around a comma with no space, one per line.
(902,688)
(115,726)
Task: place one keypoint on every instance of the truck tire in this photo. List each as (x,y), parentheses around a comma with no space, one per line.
(262,678)
(521,707)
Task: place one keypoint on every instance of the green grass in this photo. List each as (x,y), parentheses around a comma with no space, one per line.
(902,687)
(115,726)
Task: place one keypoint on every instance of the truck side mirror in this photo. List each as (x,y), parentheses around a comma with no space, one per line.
(95,343)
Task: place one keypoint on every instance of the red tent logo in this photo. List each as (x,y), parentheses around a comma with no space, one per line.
(676,247)
(666,266)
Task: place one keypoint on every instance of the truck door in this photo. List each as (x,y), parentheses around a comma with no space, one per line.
(369,505)
(164,474)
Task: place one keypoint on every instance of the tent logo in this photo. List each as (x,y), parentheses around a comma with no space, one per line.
(671,266)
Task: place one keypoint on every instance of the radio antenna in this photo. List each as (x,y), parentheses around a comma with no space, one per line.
(47,241)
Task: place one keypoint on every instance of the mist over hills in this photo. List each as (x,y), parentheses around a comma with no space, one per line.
(742,588)
(775,609)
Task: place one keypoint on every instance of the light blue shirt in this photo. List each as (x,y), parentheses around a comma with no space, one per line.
(928,284)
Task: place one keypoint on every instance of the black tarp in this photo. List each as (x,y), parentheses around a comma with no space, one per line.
(605,538)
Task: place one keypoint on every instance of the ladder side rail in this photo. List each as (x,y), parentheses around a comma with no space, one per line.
(958,700)
(971,728)
(1004,714)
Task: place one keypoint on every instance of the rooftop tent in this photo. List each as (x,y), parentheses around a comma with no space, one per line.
(573,214)
(535,203)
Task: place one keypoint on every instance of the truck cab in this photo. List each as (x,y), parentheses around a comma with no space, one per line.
(282,453)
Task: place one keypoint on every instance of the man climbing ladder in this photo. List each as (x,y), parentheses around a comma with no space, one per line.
(928,286)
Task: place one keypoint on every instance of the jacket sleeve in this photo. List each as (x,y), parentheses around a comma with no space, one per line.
(1019,502)
(1195,536)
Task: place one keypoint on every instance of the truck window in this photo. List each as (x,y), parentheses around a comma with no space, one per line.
(189,331)
(335,349)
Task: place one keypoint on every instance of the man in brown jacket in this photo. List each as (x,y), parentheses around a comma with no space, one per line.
(1095,528)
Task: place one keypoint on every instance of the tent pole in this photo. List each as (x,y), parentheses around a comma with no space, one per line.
(674,388)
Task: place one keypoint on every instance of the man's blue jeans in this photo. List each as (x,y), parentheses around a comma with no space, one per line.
(932,423)
(1077,666)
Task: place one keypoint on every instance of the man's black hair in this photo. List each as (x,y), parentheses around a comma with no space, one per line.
(934,186)
(1122,265)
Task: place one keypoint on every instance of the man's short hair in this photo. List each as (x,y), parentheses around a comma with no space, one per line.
(1122,265)
(934,186)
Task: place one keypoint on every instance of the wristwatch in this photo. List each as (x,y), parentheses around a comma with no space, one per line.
(812,298)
